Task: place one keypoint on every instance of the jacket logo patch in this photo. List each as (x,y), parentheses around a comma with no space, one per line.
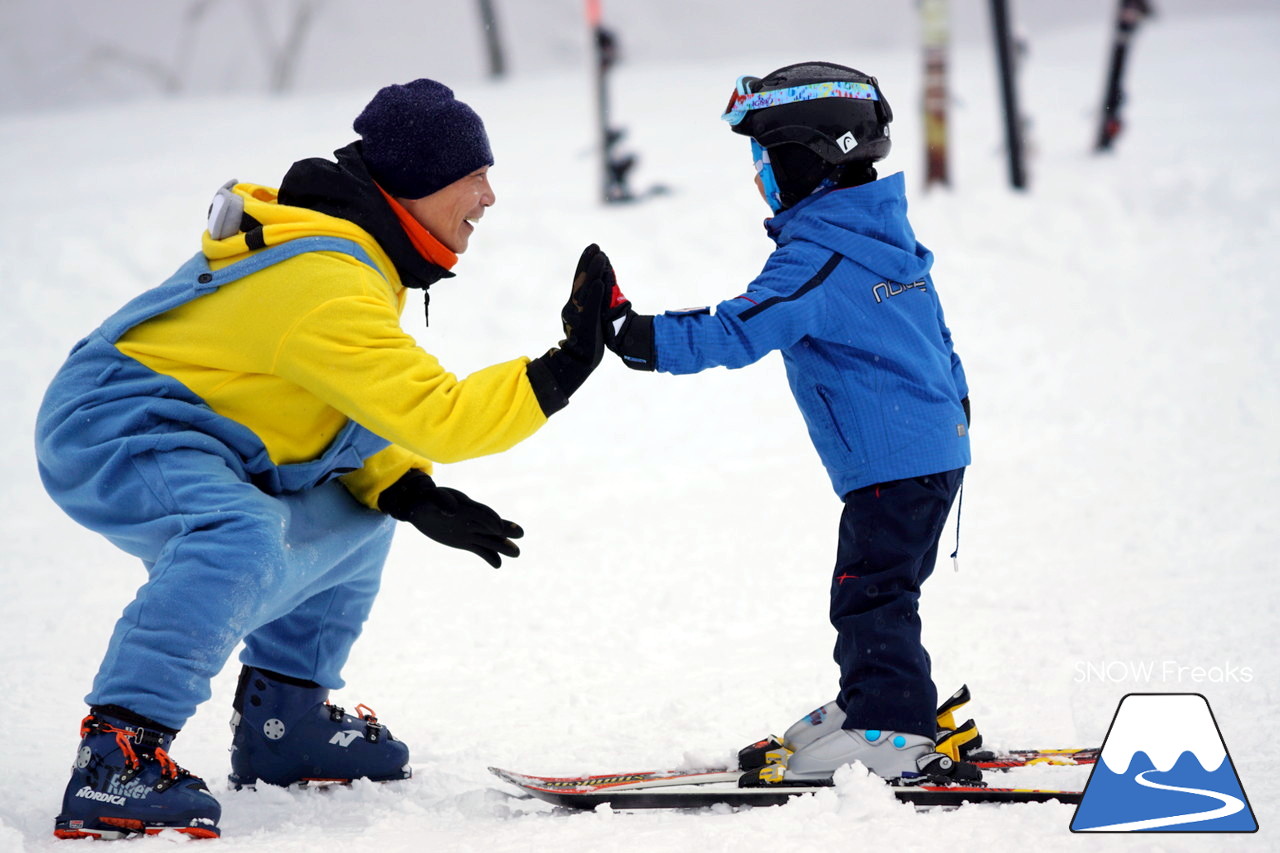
(892,288)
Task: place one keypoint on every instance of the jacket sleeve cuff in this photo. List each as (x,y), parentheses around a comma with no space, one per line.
(551,397)
(636,348)
(380,471)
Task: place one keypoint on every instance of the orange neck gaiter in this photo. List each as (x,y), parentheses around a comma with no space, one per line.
(427,245)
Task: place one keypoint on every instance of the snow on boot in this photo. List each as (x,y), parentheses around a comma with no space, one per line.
(284,733)
(804,731)
(902,759)
(124,783)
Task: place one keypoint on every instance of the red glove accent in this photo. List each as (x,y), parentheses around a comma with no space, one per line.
(616,298)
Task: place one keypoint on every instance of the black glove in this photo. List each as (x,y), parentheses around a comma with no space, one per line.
(450,517)
(627,334)
(964,404)
(556,375)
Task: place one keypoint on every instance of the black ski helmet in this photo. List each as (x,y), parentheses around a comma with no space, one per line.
(812,129)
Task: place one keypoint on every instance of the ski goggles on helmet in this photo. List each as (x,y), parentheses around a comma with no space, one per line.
(743,100)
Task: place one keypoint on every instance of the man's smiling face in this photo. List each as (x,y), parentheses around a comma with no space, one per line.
(449,213)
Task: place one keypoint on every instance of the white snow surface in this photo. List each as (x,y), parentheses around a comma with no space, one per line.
(1117,322)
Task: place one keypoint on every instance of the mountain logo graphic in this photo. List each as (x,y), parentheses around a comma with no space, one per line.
(1164,768)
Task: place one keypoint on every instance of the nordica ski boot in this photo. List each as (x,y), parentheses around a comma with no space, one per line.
(286,733)
(124,783)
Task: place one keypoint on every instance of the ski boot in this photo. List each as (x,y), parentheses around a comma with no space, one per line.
(804,731)
(286,733)
(956,742)
(900,759)
(124,783)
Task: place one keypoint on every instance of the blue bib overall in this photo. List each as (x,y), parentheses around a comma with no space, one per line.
(235,546)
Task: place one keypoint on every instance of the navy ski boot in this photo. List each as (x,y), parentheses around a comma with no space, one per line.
(124,783)
(285,733)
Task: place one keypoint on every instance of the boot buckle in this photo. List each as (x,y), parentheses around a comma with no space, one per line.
(372,728)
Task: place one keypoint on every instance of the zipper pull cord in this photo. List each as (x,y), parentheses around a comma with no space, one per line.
(955,555)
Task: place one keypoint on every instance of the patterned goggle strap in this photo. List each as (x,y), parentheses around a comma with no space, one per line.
(743,101)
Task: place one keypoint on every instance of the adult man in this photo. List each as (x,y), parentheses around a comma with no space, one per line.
(250,428)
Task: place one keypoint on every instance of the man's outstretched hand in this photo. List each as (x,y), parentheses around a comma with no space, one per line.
(451,518)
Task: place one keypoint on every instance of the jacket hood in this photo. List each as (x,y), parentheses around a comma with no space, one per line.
(319,197)
(267,222)
(866,224)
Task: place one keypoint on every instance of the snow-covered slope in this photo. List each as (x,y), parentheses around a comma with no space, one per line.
(1117,322)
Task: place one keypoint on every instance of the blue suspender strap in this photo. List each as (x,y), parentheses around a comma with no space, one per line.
(195,278)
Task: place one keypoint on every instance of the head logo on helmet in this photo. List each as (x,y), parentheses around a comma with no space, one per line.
(814,119)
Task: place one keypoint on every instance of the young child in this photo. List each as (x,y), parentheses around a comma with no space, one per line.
(848,300)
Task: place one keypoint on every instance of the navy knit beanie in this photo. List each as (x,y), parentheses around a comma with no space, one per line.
(417,138)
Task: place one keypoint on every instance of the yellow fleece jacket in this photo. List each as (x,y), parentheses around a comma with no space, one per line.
(295,350)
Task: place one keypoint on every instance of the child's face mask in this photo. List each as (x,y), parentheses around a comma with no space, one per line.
(764,172)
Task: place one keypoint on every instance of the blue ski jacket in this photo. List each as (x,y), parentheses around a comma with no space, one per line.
(848,299)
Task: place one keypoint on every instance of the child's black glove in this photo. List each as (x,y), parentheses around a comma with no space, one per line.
(450,517)
(627,334)
(556,375)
